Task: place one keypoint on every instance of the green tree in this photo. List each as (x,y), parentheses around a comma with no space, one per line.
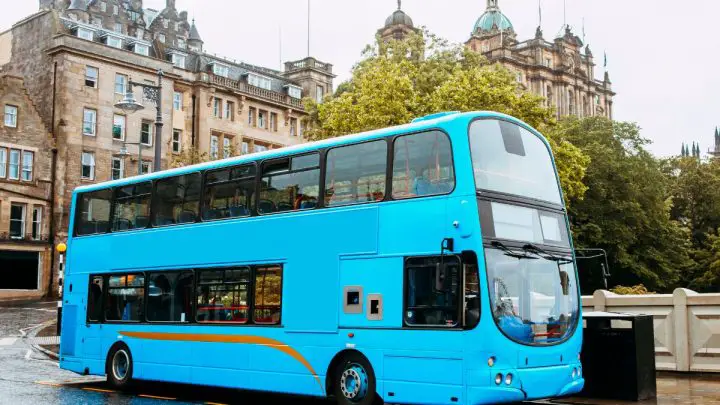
(625,209)
(423,74)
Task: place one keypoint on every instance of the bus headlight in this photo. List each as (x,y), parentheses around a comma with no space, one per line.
(498,379)
(574,373)
(508,379)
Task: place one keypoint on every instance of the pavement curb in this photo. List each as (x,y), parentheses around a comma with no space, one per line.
(33,332)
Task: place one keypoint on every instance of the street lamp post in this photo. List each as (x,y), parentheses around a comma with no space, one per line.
(130,105)
(124,153)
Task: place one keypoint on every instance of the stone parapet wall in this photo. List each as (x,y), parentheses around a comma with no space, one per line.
(686,325)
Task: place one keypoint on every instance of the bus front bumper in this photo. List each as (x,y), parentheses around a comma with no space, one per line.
(530,384)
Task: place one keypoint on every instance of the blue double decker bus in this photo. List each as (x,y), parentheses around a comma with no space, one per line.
(429,263)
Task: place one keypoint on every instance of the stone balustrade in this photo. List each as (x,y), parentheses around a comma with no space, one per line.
(686,324)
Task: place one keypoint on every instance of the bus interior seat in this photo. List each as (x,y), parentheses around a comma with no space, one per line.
(142,221)
(266,206)
(162,220)
(89,228)
(123,224)
(212,213)
(306,205)
(239,211)
(102,226)
(186,217)
(283,206)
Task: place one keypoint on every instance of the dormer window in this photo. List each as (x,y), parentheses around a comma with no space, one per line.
(178,59)
(85,33)
(161,38)
(141,49)
(118,27)
(221,70)
(294,91)
(181,43)
(256,80)
(115,42)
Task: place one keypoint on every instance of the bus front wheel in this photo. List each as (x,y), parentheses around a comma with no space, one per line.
(354,381)
(119,366)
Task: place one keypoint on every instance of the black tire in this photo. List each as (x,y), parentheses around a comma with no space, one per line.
(119,366)
(349,368)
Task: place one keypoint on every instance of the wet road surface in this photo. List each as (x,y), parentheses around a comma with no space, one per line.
(30,378)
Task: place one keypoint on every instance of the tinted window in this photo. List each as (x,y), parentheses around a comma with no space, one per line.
(222,295)
(290,184)
(229,193)
(169,297)
(431,294)
(125,297)
(356,173)
(95,291)
(510,159)
(93,215)
(268,295)
(177,200)
(132,207)
(422,165)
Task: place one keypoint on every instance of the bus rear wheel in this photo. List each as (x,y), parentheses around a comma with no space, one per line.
(119,366)
(354,381)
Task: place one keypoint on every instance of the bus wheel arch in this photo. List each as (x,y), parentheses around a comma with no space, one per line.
(119,365)
(336,371)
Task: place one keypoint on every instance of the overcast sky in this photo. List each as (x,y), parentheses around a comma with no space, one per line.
(662,54)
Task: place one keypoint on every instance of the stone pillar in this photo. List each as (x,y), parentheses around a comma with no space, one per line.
(600,300)
(682,329)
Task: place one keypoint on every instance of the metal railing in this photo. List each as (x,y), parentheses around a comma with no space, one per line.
(242,87)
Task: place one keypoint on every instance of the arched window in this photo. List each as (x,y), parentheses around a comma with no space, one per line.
(571,102)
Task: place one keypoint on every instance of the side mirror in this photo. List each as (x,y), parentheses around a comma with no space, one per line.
(441,272)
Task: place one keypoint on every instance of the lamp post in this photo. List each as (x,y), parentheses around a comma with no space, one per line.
(124,153)
(130,105)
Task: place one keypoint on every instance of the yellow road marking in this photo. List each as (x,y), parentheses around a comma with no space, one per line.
(214,403)
(50,383)
(154,397)
(97,390)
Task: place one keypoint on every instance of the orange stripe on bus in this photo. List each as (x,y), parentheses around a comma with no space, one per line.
(238,339)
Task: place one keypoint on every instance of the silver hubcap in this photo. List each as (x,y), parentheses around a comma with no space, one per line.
(120,364)
(354,383)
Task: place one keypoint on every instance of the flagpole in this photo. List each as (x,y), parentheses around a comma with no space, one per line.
(308,29)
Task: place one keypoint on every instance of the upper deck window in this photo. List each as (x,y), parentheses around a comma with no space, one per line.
(229,193)
(356,173)
(93,212)
(132,207)
(177,200)
(422,165)
(510,159)
(290,184)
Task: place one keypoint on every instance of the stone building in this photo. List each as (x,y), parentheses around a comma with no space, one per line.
(562,70)
(26,156)
(78,58)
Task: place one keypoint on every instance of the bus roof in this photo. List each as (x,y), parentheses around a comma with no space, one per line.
(418,124)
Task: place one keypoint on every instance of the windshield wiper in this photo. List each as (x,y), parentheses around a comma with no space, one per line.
(509,252)
(534,249)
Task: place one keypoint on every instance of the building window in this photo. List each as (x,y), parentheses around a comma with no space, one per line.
(293,126)
(11,113)
(103,6)
(134,15)
(27,165)
(181,43)
(165,23)
(355,173)
(89,122)
(3,163)
(37,223)
(115,10)
(120,84)
(178,60)
(259,81)
(88,166)
(113,41)
(261,119)
(260,148)
(320,95)
(422,165)
(295,92)
(85,33)
(146,167)
(118,127)
(177,101)
(176,141)
(142,49)
(597,100)
(91,76)
(519,77)
(251,116)
(17,221)
(14,166)
(230,110)
(118,168)
(227,147)
(178,200)
(548,62)
(217,108)
(161,38)
(273,122)
(118,27)
(125,298)
(290,184)
(146,132)
(245,147)
(214,145)
(221,70)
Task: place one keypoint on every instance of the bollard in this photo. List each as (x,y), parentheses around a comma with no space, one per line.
(59,316)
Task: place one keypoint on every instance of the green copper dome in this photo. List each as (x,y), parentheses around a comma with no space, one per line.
(492,19)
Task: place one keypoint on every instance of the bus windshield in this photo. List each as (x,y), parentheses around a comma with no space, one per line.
(533,296)
(510,159)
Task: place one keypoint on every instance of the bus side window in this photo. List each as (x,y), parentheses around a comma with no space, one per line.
(290,184)
(93,215)
(356,173)
(432,296)
(132,207)
(94,305)
(177,200)
(422,165)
